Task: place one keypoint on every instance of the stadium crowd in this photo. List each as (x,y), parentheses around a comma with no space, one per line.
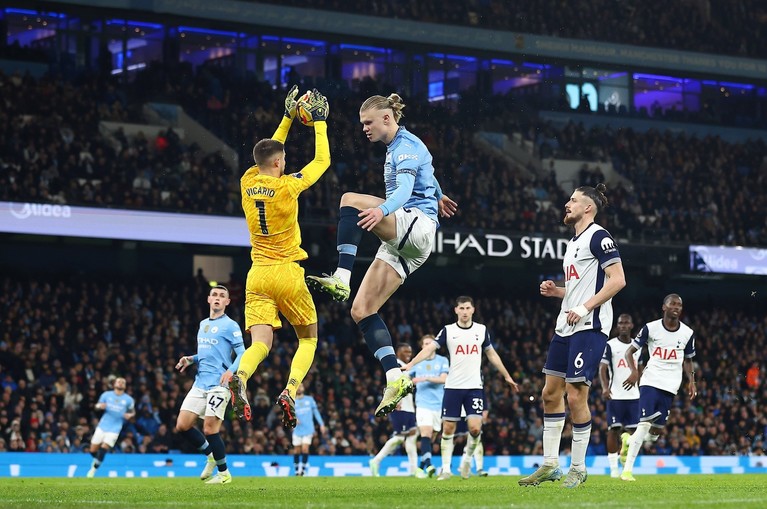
(693,25)
(51,150)
(64,339)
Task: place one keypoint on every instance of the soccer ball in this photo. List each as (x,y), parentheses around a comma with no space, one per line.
(302,109)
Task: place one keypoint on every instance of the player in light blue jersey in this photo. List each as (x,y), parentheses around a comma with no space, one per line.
(118,407)
(429,379)
(219,340)
(405,222)
(306,415)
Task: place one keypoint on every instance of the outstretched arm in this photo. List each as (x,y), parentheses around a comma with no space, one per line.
(281,134)
(424,354)
(496,361)
(312,172)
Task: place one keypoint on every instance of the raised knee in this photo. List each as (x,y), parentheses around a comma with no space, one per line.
(349,200)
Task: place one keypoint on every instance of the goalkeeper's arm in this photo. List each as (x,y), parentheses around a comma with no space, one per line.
(281,134)
(312,172)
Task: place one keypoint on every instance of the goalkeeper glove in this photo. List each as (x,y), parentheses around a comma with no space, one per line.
(317,106)
(290,102)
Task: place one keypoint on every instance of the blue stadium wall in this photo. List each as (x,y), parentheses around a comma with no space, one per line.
(185,465)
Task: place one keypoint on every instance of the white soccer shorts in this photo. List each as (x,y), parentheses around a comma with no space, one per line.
(207,403)
(104,437)
(413,244)
(426,417)
(299,440)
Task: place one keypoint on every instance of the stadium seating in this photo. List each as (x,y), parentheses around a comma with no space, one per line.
(53,152)
(697,25)
(64,337)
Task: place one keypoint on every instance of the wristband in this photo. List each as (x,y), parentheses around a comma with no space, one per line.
(580,310)
(195,359)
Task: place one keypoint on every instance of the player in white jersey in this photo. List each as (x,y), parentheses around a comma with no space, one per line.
(118,407)
(593,276)
(671,345)
(429,379)
(402,422)
(622,403)
(465,340)
(219,350)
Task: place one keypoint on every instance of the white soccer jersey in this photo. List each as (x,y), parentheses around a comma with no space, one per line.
(615,358)
(586,258)
(667,349)
(406,404)
(465,347)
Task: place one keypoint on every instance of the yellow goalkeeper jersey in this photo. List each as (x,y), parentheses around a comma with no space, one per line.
(271,203)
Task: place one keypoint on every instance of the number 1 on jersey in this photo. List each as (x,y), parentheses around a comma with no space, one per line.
(261,206)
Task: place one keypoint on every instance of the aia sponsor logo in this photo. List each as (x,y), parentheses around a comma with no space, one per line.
(571,273)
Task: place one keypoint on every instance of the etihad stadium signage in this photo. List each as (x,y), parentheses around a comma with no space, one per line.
(500,246)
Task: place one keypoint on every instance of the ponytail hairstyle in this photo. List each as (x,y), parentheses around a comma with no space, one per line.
(379,102)
(597,195)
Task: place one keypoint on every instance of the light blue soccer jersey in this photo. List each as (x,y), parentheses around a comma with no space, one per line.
(428,395)
(117,406)
(409,176)
(306,413)
(217,339)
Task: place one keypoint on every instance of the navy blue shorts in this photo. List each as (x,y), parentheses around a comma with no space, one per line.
(402,422)
(454,400)
(622,413)
(654,405)
(576,358)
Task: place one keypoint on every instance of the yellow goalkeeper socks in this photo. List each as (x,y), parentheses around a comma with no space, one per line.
(253,356)
(302,361)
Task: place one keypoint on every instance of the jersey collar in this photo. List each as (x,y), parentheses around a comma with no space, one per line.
(400,130)
(584,230)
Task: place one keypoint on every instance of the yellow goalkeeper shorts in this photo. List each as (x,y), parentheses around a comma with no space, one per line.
(274,289)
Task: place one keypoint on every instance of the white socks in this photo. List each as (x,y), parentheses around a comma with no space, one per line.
(635,444)
(471,444)
(344,275)
(479,456)
(412,451)
(581,436)
(612,459)
(389,447)
(552,435)
(393,374)
(446,446)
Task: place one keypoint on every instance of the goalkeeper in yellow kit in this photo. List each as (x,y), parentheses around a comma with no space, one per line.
(276,281)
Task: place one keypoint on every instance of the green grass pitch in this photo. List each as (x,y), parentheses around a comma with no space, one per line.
(657,491)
